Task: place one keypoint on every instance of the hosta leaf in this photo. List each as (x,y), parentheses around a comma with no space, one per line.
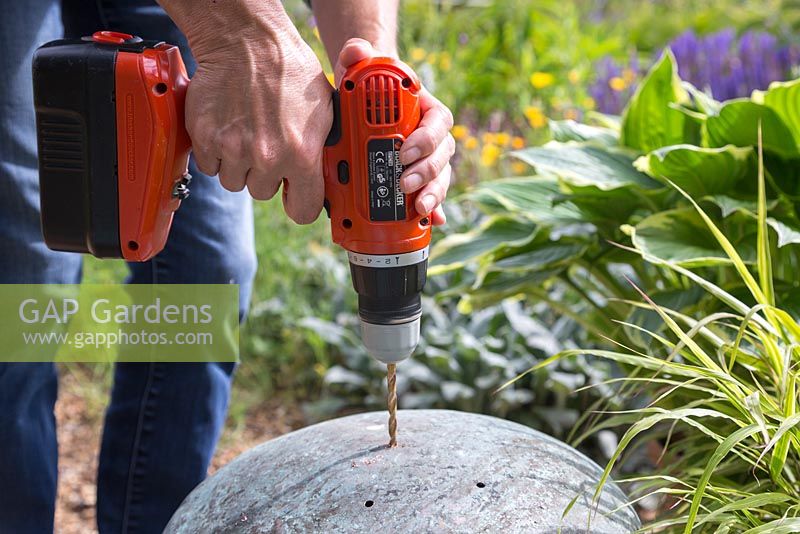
(586,165)
(539,256)
(730,205)
(498,285)
(704,102)
(535,256)
(534,197)
(788,234)
(678,236)
(737,124)
(698,171)
(594,203)
(649,122)
(570,130)
(784,99)
(455,250)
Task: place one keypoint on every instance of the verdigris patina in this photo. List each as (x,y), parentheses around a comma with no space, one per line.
(451,472)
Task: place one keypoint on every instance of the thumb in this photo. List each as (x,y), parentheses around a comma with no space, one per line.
(353,51)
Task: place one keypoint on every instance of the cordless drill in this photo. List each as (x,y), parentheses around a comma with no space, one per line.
(113,154)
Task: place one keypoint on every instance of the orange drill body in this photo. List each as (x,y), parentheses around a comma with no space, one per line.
(152,146)
(379,108)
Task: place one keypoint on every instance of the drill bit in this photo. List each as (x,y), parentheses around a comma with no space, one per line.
(391,382)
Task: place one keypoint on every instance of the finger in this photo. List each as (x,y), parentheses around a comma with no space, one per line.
(206,162)
(302,198)
(426,169)
(438,218)
(433,193)
(433,128)
(233,174)
(261,186)
(353,51)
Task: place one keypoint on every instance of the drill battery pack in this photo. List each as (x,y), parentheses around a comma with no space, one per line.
(113,149)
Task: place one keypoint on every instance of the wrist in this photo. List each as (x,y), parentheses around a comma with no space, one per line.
(228,28)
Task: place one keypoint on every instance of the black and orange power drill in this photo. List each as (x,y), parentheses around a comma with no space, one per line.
(113,154)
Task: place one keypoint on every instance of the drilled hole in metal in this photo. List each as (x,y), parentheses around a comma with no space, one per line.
(406,82)
(368,504)
(160,88)
(424,221)
(347,223)
(481,485)
(349,85)
(133,245)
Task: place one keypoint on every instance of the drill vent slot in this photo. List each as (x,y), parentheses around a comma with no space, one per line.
(61,146)
(382,96)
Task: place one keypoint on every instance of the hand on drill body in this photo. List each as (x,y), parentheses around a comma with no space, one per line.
(426,153)
(258,109)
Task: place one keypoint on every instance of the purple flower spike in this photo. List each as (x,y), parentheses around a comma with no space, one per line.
(718,63)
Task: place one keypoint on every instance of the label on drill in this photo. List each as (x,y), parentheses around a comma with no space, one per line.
(386,201)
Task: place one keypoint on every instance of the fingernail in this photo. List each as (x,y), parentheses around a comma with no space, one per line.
(410,156)
(428,203)
(412,182)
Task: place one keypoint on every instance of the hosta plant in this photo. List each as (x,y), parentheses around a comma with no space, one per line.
(722,400)
(551,237)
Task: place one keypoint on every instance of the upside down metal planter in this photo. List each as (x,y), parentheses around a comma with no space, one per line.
(451,472)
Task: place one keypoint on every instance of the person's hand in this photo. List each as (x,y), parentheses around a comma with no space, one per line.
(258,111)
(426,153)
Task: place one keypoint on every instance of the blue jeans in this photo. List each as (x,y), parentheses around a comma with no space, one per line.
(164,419)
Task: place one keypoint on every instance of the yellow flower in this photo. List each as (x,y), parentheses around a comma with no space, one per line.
(418,54)
(571,114)
(535,117)
(445,61)
(617,84)
(431,58)
(459,132)
(489,155)
(574,76)
(502,138)
(488,137)
(517,143)
(629,76)
(589,102)
(330,77)
(540,80)
(471,143)
(518,167)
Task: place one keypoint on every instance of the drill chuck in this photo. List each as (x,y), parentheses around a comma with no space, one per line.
(389,287)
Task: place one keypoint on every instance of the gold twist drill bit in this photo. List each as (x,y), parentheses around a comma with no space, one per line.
(391,381)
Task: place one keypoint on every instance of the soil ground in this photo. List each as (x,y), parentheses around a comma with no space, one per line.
(80,418)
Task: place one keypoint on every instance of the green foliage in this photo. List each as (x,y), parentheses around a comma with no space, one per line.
(707,224)
(723,401)
(593,188)
(650,120)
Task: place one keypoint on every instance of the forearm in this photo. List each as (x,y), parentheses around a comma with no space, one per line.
(210,25)
(372,20)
